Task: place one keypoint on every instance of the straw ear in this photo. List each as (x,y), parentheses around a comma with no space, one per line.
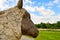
(20,4)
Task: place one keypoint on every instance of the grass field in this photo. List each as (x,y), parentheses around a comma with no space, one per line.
(48,35)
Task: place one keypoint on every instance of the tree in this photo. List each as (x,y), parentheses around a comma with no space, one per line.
(37,25)
(58,24)
(43,25)
(48,25)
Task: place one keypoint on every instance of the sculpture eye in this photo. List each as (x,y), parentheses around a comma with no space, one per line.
(29,17)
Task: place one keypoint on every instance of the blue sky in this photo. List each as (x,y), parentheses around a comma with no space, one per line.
(40,10)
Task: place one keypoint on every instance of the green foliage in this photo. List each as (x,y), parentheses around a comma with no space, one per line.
(37,25)
(43,25)
(48,25)
(58,24)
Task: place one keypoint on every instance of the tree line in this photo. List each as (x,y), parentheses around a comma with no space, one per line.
(49,25)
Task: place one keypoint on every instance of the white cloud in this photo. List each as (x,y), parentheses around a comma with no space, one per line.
(4,6)
(42,10)
(38,19)
(29,1)
(56,1)
(52,3)
(49,4)
(30,8)
(25,2)
(46,12)
(1,1)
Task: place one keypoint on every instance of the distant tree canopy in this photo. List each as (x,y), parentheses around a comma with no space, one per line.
(48,25)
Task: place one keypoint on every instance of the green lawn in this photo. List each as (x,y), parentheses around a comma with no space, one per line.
(48,35)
